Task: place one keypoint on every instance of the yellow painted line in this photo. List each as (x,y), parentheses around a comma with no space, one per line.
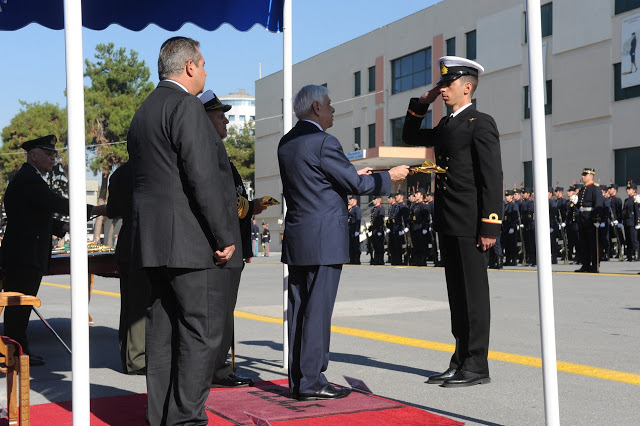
(566,367)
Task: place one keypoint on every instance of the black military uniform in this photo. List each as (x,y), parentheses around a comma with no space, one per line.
(376,228)
(419,218)
(603,232)
(527,216)
(355,221)
(573,235)
(30,205)
(432,236)
(563,205)
(616,233)
(553,226)
(510,230)
(589,205)
(468,204)
(398,240)
(631,216)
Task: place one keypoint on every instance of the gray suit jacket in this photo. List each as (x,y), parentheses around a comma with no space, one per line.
(184,202)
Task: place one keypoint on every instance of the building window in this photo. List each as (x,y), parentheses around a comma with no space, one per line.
(548,105)
(397,125)
(243,118)
(411,71)
(627,165)
(471,45)
(620,93)
(356,139)
(546,17)
(528,175)
(232,118)
(372,135)
(372,79)
(625,5)
(252,117)
(357,84)
(451,47)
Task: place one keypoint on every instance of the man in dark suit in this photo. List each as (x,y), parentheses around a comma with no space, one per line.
(468,206)
(224,296)
(30,205)
(316,178)
(185,232)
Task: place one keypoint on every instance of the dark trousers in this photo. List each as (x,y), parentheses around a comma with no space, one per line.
(631,237)
(395,247)
(511,248)
(378,248)
(465,268)
(223,302)
(354,250)
(134,300)
(23,279)
(312,294)
(180,348)
(588,248)
(530,246)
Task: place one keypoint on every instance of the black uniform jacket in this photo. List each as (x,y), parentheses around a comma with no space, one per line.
(468,197)
(30,205)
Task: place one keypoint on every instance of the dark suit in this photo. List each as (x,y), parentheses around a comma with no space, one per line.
(184,209)
(316,178)
(134,284)
(468,203)
(30,205)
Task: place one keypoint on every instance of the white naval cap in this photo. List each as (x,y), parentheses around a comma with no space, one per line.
(454,67)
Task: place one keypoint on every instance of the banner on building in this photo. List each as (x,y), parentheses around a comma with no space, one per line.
(628,68)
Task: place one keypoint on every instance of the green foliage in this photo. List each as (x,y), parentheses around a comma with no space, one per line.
(33,121)
(240,144)
(119,84)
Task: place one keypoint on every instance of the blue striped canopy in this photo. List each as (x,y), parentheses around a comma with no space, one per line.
(135,15)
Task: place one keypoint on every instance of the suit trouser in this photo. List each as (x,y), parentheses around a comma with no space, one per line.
(465,268)
(378,248)
(312,294)
(134,300)
(180,347)
(354,250)
(223,302)
(631,237)
(23,279)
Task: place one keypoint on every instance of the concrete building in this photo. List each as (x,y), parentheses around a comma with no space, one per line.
(244,107)
(591,118)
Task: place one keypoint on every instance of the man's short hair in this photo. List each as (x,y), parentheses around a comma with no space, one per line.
(174,54)
(303,102)
(470,79)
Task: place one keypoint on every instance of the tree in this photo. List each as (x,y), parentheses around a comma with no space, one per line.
(240,144)
(119,84)
(33,121)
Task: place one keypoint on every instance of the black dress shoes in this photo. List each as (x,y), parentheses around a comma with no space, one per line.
(466,378)
(35,361)
(232,381)
(438,379)
(327,392)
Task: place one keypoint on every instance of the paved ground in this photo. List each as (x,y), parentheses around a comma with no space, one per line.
(391,329)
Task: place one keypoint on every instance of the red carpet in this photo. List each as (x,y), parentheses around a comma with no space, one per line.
(266,400)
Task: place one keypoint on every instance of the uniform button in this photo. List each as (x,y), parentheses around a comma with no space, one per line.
(445,178)
(446,168)
(444,187)
(439,157)
(437,176)
(447,158)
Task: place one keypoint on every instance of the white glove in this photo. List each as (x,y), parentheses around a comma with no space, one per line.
(511,231)
(596,224)
(574,198)
(379,234)
(400,232)
(563,224)
(521,226)
(386,231)
(429,229)
(637,226)
(424,231)
(355,234)
(406,229)
(619,225)
(615,222)
(551,230)
(602,224)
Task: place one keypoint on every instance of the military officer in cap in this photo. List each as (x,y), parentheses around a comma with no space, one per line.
(527,215)
(30,205)
(419,217)
(354,219)
(398,238)
(590,213)
(510,229)
(376,228)
(631,217)
(468,207)
(553,225)
(616,220)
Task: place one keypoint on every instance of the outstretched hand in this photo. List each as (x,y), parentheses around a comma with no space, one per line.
(399,173)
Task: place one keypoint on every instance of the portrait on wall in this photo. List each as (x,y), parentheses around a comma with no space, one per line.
(628,69)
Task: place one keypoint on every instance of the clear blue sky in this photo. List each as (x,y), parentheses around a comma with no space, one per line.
(33,58)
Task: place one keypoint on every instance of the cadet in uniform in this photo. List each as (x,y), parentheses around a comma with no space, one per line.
(377,231)
(603,232)
(419,229)
(432,235)
(631,217)
(510,228)
(527,211)
(553,226)
(355,221)
(573,236)
(399,226)
(590,213)
(616,220)
(562,219)
(468,204)
(391,199)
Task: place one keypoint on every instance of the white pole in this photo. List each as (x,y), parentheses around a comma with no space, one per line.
(77,200)
(543,244)
(287,98)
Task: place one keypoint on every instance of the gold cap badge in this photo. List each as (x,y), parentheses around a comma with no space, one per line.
(443,68)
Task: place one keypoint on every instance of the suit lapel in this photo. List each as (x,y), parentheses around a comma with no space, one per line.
(466,115)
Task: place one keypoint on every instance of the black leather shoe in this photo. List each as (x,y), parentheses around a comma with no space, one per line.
(35,361)
(232,381)
(466,378)
(327,392)
(581,270)
(437,379)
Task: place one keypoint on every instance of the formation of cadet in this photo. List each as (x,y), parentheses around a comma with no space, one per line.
(590,225)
